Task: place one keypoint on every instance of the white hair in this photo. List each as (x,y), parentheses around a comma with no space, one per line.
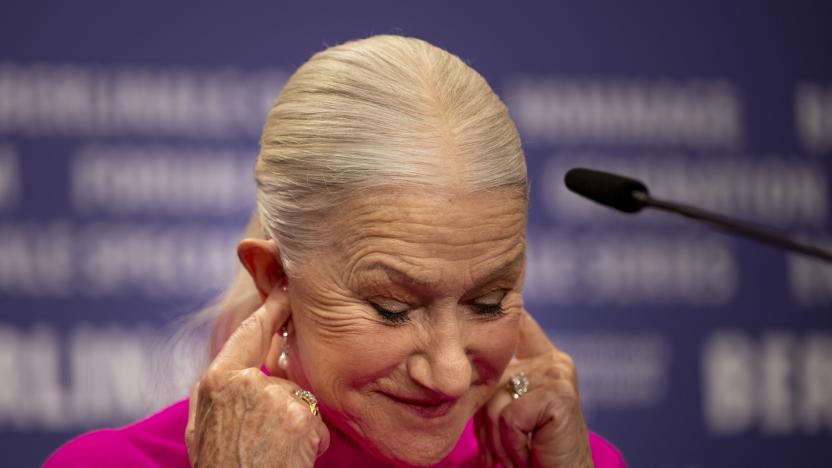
(386,110)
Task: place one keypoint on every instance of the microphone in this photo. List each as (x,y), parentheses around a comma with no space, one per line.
(605,188)
(631,196)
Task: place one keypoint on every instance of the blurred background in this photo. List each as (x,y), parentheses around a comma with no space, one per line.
(128,133)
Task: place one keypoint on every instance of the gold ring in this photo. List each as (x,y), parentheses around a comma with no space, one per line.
(518,385)
(309,399)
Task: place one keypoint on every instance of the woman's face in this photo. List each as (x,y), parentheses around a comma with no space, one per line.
(404,325)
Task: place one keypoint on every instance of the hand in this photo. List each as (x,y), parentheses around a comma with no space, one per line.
(238,416)
(545,427)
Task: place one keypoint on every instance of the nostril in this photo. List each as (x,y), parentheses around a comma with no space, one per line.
(443,364)
(446,374)
(454,379)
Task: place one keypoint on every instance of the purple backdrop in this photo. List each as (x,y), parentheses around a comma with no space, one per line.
(128,133)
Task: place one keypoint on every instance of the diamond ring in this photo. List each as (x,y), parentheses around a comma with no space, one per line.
(518,385)
(309,399)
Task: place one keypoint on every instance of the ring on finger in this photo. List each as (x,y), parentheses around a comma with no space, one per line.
(309,399)
(518,385)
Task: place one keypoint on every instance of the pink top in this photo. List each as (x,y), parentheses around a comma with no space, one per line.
(159,441)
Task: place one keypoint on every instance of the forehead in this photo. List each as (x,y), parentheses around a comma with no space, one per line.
(423,228)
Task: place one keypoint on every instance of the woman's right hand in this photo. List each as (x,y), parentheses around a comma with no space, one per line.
(239,416)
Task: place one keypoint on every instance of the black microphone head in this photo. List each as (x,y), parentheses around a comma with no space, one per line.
(607,189)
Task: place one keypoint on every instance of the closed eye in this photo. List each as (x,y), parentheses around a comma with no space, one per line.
(397,313)
(491,303)
(489,309)
(393,312)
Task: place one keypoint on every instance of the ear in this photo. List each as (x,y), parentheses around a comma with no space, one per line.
(261,258)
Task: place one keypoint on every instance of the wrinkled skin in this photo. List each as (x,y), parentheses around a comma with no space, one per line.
(404,327)
(240,417)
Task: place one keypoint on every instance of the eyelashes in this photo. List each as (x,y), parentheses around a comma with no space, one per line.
(490,309)
(398,317)
(389,315)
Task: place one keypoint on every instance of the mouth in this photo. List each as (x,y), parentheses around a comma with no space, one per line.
(424,407)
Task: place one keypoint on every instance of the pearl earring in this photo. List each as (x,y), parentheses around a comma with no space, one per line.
(283,360)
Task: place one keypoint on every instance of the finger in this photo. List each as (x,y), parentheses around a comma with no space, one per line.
(500,453)
(514,439)
(522,422)
(533,340)
(323,436)
(189,428)
(499,402)
(514,367)
(248,345)
(281,387)
(481,429)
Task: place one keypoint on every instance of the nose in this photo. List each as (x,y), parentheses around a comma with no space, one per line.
(443,365)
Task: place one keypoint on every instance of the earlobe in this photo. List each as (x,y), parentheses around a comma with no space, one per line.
(261,259)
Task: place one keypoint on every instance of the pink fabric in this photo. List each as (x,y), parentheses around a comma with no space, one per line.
(159,441)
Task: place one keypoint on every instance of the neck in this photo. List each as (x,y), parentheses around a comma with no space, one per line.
(345,452)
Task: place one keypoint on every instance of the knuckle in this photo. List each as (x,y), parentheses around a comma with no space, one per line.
(249,374)
(560,366)
(553,372)
(572,373)
(314,439)
(562,359)
(212,379)
(298,416)
(568,394)
(247,383)
(566,371)
(275,393)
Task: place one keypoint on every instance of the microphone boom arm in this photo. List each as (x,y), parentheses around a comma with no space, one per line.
(734,227)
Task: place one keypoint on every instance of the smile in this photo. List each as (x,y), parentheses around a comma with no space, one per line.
(426,408)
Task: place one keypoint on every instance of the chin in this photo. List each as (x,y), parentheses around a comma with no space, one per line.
(420,452)
(405,434)
(403,447)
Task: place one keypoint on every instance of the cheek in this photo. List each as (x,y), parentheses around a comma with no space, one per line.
(353,360)
(494,344)
(339,344)
(340,358)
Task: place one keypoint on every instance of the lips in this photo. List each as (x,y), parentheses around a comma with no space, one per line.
(424,407)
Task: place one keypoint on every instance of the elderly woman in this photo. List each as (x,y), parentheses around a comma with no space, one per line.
(387,326)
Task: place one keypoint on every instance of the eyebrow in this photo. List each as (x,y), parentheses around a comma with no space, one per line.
(402,277)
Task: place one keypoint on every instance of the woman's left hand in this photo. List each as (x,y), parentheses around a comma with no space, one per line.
(544,427)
